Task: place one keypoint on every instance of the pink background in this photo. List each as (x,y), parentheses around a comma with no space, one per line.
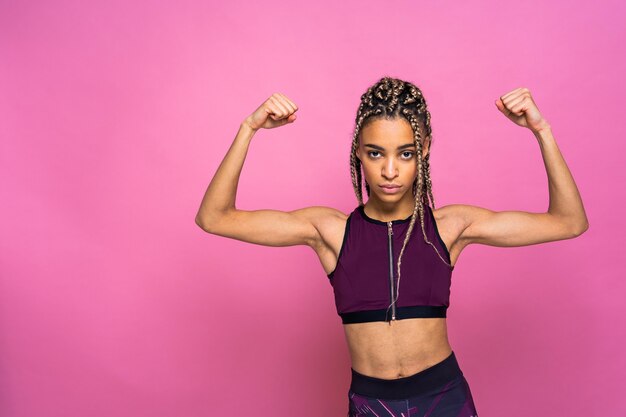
(114,117)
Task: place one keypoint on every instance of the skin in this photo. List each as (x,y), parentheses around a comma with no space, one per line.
(388,156)
(406,346)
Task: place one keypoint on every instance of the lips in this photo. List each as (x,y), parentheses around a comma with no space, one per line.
(390,186)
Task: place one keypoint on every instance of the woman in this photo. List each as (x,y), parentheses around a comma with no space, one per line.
(402,363)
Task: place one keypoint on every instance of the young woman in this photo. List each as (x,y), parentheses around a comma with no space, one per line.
(402,363)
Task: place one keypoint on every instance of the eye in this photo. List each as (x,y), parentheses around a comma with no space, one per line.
(410,154)
(371,152)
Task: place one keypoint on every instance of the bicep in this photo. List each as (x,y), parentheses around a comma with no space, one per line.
(511,228)
(270,227)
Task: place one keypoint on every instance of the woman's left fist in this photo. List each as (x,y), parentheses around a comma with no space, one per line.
(519,107)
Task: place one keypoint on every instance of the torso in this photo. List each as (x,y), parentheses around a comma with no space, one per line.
(404,347)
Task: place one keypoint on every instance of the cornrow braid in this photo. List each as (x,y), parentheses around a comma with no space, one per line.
(392,98)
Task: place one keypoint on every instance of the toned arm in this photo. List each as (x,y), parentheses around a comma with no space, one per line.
(509,228)
(564,219)
(274,228)
(219,215)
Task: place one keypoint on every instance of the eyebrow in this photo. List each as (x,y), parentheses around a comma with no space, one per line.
(380,148)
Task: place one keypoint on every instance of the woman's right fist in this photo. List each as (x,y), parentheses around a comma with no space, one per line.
(276,111)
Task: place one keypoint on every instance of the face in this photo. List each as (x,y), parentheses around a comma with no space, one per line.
(389,157)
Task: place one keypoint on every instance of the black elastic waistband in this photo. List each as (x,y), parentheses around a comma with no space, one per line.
(406,387)
(404,312)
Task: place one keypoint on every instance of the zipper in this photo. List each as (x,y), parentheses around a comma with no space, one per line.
(391,286)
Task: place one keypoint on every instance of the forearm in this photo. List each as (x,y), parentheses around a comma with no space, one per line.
(221,193)
(565,201)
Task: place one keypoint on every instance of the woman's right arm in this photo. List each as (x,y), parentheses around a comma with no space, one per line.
(217,213)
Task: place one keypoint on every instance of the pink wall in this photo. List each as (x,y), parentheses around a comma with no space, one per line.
(114,117)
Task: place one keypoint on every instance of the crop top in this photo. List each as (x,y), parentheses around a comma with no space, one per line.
(364,281)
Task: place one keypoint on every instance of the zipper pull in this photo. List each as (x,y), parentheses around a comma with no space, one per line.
(390,228)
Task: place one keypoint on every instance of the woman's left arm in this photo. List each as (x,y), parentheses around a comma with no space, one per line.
(565,218)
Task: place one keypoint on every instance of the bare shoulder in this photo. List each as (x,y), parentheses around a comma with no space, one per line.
(269,227)
(509,228)
(458,216)
(330,225)
(451,221)
(328,222)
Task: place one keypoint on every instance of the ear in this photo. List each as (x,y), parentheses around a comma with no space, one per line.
(358,153)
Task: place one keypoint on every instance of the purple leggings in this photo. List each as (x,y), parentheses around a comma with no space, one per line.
(438,391)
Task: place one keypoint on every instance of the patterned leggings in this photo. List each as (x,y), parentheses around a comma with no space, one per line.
(438,391)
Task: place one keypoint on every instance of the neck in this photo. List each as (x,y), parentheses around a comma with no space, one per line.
(386,211)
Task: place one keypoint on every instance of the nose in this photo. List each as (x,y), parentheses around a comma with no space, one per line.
(390,170)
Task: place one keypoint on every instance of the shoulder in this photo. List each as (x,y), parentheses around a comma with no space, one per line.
(460,217)
(464,213)
(327,221)
(321,215)
(454,219)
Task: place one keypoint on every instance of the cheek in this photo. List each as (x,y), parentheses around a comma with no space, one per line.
(411,170)
(367,168)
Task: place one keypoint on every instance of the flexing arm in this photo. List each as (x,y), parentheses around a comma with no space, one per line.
(565,217)
(218,214)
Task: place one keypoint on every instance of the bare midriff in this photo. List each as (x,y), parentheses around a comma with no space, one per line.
(397,350)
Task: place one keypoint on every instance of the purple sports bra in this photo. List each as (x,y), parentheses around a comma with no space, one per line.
(365,283)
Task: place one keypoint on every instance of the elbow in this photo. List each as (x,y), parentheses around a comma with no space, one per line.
(206,221)
(199,222)
(573,227)
(580,229)
(202,224)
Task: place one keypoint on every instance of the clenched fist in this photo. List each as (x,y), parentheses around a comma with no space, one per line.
(519,107)
(276,111)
